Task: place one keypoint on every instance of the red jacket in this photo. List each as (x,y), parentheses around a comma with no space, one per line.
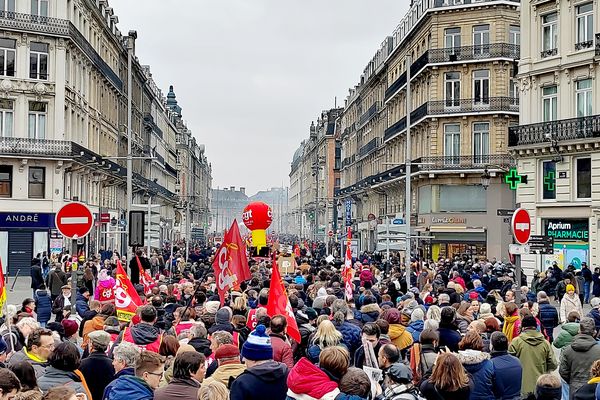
(308,379)
(282,350)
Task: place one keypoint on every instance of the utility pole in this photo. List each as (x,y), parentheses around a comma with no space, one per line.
(130,47)
(407,185)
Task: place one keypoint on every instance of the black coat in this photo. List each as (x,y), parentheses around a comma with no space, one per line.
(264,381)
(135,270)
(37,280)
(548,316)
(56,280)
(98,372)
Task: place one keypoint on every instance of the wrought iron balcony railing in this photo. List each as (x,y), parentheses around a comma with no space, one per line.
(367,115)
(151,125)
(464,162)
(348,160)
(584,45)
(369,147)
(549,52)
(561,130)
(13,146)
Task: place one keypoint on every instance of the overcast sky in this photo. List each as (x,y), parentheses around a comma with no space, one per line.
(251,75)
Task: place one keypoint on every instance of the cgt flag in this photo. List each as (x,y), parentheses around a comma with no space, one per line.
(279,304)
(126,298)
(347,270)
(231,263)
(145,278)
(2,289)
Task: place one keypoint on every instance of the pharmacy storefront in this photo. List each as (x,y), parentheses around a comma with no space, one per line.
(571,241)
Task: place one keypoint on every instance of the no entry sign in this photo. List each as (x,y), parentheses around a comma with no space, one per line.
(521,226)
(74,220)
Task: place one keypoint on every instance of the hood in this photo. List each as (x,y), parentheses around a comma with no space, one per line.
(370,308)
(144,333)
(417,325)
(222,316)
(472,357)
(571,327)
(132,387)
(223,372)
(322,292)
(125,371)
(396,330)
(582,343)
(532,337)
(269,371)
(308,379)
(201,345)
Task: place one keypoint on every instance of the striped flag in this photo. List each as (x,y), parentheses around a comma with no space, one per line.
(347,271)
(2,289)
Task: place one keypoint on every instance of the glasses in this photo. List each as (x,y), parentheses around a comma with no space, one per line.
(155,373)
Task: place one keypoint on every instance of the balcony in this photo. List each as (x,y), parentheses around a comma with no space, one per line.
(349,129)
(464,162)
(348,160)
(483,104)
(562,130)
(549,53)
(395,129)
(368,115)
(368,148)
(19,22)
(12,146)
(151,125)
(584,45)
(394,87)
(474,53)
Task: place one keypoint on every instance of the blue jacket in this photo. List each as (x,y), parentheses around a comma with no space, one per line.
(351,336)
(595,314)
(481,372)
(81,305)
(264,381)
(449,336)
(548,316)
(415,328)
(43,306)
(508,374)
(129,387)
(109,388)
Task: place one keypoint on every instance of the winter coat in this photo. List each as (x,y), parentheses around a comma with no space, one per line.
(568,304)
(56,280)
(596,280)
(462,323)
(430,392)
(415,328)
(548,316)
(39,367)
(144,334)
(481,371)
(15,336)
(58,306)
(129,387)
(306,381)
(201,345)
(400,392)
(95,324)
(98,371)
(594,313)
(400,336)
(536,356)
(449,336)
(587,391)
(123,372)
(264,381)
(56,377)
(81,305)
(567,333)
(37,280)
(369,313)
(225,373)
(282,351)
(575,361)
(43,306)
(351,336)
(508,374)
(178,389)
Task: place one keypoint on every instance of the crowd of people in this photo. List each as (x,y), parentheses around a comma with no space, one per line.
(459,330)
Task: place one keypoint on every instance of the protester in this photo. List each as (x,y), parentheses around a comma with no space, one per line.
(97,368)
(148,371)
(448,380)
(213,391)
(40,345)
(547,314)
(282,350)
(29,387)
(188,372)
(575,360)
(43,305)
(478,365)
(125,358)
(508,372)
(64,362)
(62,304)
(9,384)
(230,366)
(570,302)
(144,335)
(589,389)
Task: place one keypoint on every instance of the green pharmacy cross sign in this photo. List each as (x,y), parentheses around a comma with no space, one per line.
(513,179)
(549,181)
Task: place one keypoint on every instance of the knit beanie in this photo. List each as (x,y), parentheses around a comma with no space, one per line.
(258,345)
(70,326)
(570,287)
(223,316)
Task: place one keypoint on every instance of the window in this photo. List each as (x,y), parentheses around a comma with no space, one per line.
(452,95)
(461,198)
(7,5)
(7,56)
(585,26)
(513,90)
(584,177)
(39,7)
(548,180)
(424,199)
(5,181)
(481,40)
(37,120)
(37,182)
(550,103)
(38,61)
(452,38)
(514,35)
(6,118)
(481,87)
(451,143)
(549,34)
(583,94)
(481,142)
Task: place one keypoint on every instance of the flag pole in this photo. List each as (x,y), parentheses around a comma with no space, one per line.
(4,298)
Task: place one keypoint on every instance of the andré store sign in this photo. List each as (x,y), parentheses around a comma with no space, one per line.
(568,229)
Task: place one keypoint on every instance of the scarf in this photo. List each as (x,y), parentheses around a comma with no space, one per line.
(509,327)
(594,380)
(33,356)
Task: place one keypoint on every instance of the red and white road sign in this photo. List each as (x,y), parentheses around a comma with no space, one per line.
(74,220)
(330,233)
(521,226)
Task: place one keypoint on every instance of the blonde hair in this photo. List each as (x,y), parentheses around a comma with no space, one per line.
(434,313)
(548,381)
(239,303)
(213,390)
(327,335)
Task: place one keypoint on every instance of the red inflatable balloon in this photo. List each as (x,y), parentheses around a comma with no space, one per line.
(257,215)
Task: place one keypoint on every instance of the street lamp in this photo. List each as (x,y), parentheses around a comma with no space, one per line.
(485,179)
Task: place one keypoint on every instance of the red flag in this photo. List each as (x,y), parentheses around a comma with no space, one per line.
(126,298)
(2,289)
(231,264)
(347,271)
(297,250)
(145,278)
(279,304)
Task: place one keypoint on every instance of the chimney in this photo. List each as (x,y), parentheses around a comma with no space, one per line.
(232,188)
(242,190)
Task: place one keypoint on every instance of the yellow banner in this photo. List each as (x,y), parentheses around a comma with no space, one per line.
(124,316)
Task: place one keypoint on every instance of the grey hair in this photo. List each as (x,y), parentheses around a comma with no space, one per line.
(476,283)
(541,295)
(587,326)
(127,352)
(198,331)
(339,308)
(28,321)
(443,298)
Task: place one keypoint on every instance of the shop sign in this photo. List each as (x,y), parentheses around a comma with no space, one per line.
(26,220)
(567,229)
(448,220)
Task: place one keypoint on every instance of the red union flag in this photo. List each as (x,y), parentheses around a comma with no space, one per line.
(2,289)
(145,278)
(231,264)
(347,271)
(126,298)
(279,304)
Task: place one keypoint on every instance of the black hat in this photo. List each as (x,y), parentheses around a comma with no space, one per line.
(529,322)
(84,289)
